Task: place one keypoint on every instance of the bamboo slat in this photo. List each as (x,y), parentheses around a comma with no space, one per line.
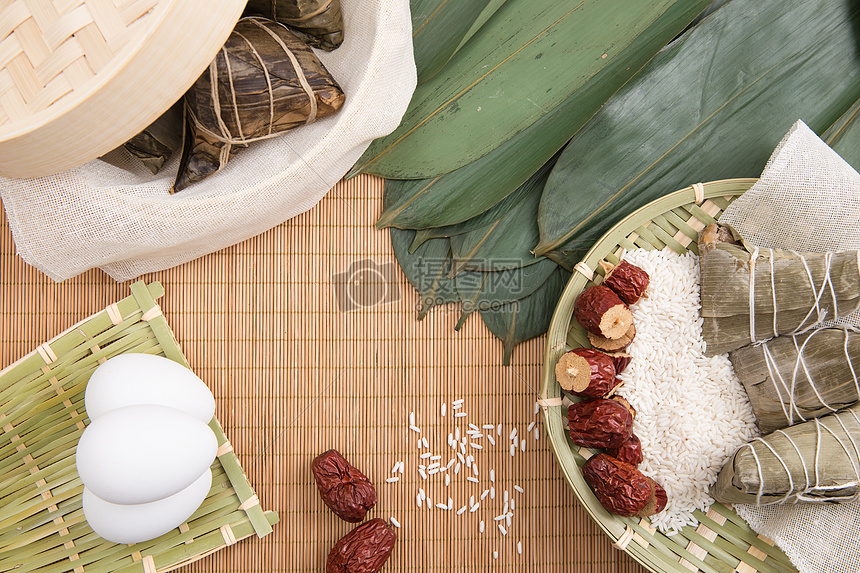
(293,375)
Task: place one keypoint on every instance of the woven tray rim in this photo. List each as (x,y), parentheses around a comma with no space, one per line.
(735,545)
(240,511)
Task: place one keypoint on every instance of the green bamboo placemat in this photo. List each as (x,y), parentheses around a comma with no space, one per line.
(294,375)
(42,526)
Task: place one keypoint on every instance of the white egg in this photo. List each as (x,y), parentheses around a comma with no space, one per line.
(129,379)
(142,522)
(139,454)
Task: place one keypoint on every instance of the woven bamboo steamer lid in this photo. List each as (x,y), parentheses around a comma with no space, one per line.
(78,78)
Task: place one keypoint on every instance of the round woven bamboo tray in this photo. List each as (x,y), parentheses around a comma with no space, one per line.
(78,78)
(723,541)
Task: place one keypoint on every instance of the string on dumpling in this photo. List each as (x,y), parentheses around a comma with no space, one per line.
(810,491)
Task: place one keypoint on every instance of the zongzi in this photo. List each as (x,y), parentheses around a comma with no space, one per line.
(317,22)
(792,379)
(816,461)
(751,294)
(157,143)
(264,81)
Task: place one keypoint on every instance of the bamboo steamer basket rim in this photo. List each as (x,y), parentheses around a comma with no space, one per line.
(152,63)
(722,541)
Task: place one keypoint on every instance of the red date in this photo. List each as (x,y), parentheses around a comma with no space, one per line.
(344,489)
(613,344)
(365,549)
(600,423)
(658,501)
(620,487)
(600,311)
(627,280)
(587,373)
(622,360)
(630,451)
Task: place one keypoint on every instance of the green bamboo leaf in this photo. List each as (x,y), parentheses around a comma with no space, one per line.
(529,58)
(844,136)
(491,8)
(507,242)
(487,290)
(438,29)
(426,269)
(468,191)
(528,317)
(484,219)
(713,105)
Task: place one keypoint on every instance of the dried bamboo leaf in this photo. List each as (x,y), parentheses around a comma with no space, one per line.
(712,105)
(317,22)
(792,379)
(529,58)
(507,242)
(252,90)
(751,294)
(426,269)
(438,29)
(156,144)
(817,461)
(844,136)
(528,317)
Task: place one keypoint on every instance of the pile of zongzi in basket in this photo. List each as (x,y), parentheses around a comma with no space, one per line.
(765,308)
(265,81)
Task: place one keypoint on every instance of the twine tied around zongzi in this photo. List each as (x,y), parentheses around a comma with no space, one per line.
(810,490)
(225,136)
(817,293)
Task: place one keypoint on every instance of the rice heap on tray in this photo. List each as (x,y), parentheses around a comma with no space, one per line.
(692,413)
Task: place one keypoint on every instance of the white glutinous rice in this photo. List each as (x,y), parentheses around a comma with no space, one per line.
(692,413)
(394,522)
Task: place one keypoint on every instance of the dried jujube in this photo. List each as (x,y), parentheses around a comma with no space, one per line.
(657,502)
(630,451)
(587,373)
(599,310)
(613,344)
(600,423)
(627,280)
(623,401)
(622,360)
(620,487)
(365,549)
(344,489)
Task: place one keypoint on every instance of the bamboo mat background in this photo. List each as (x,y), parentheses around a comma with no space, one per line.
(294,375)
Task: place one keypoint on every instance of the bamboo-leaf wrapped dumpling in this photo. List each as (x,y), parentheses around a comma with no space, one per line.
(317,22)
(156,144)
(792,379)
(264,81)
(816,461)
(750,294)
